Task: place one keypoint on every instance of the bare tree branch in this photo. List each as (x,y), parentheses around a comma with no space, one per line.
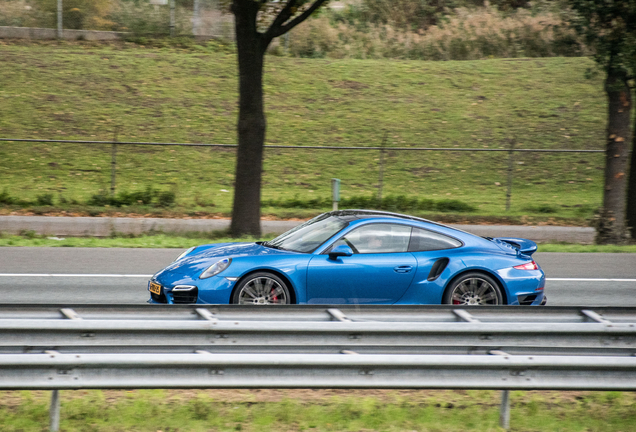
(282,18)
(273,32)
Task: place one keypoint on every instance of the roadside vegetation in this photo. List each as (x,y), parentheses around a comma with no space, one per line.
(99,92)
(318,410)
(184,241)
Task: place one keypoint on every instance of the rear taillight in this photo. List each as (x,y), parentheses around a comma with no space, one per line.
(527,266)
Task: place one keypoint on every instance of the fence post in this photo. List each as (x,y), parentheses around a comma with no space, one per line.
(113,163)
(381,171)
(504,415)
(60,28)
(335,193)
(172,18)
(196,17)
(510,173)
(54,411)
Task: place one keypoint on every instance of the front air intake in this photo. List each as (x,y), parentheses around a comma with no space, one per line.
(185,295)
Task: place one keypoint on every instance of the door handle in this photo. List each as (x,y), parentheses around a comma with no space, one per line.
(403,269)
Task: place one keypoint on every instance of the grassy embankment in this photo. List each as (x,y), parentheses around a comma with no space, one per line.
(161,240)
(333,410)
(86,91)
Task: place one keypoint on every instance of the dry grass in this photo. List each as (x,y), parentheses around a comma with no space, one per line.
(467,34)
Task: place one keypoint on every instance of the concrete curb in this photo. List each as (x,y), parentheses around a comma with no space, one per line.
(104,227)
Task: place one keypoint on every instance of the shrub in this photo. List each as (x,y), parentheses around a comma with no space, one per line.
(541,208)
(465,34)
(393,203)
(44,199)
(165,199)
(5,198)
(146,197)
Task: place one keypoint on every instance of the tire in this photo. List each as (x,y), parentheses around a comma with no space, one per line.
(261,288)
(473,289)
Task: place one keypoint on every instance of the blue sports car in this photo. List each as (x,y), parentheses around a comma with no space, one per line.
(357,257)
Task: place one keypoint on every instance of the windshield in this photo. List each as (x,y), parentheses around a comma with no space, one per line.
(307,237)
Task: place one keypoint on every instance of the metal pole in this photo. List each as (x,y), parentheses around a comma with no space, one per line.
(504,415)
(195,18)
(172,19)
(381,173)
(113,163)
(54,411)
(335,192)
(60,29)
(511,157)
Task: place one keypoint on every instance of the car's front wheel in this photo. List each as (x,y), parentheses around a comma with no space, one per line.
(473,289)
(261,288)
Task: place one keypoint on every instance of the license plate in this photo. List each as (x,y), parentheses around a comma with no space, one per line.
(155,288)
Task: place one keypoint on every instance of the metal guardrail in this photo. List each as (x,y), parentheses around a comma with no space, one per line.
(203,369)
(415,330)
(191,346)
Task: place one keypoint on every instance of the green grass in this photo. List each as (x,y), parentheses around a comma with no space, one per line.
(30,239)
(164,410)
(88,91)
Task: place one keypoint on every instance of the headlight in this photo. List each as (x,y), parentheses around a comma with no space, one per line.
(216,268)
(185,253)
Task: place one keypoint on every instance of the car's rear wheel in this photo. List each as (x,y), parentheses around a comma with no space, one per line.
(473,289)
(261,288)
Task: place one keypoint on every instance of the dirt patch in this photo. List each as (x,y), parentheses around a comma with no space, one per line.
(347,84)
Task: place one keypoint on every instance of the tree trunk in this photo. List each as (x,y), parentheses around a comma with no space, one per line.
(631,189)
(611,224)
(246,211)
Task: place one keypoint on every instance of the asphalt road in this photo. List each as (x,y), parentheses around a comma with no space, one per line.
(86,275)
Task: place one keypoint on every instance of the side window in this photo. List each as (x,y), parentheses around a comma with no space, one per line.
(423,240)
(378,238)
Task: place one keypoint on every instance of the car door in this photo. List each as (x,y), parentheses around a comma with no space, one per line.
(379,271)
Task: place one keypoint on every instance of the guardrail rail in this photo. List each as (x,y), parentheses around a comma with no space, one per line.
(191,346)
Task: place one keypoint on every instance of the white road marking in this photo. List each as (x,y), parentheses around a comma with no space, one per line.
(589,280)
(73,275)
(149,276)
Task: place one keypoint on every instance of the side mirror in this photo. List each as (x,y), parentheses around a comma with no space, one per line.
(340,251)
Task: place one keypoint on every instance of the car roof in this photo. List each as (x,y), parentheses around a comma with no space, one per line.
(353,214)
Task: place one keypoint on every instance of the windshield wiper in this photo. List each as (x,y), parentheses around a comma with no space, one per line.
(270,245)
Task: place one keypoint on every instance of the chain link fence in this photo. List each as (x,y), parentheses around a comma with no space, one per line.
(155,18)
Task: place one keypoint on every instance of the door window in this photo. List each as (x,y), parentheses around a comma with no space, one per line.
(377,238)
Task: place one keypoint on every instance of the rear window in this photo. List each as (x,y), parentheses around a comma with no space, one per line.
(423,240)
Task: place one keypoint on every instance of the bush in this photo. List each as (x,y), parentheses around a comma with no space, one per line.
(146,197)
(393,203)
(465,34)
(5,198)
(165,199)
(44,199)
(541,208)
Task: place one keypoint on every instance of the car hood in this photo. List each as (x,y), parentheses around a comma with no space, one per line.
(198,262)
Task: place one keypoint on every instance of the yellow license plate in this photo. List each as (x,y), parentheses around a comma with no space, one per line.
(155,288)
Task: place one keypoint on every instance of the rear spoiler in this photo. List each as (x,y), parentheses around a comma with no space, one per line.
(524,246)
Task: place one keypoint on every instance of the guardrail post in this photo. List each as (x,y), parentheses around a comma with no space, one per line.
(504,414)
(54,411)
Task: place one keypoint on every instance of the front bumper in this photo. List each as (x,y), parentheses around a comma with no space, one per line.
(213,290)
